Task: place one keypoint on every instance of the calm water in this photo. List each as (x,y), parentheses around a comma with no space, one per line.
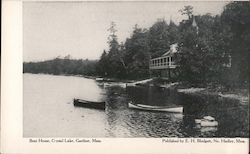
(49,111)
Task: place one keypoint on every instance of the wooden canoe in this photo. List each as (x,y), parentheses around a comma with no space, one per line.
(89,104)
(155,108)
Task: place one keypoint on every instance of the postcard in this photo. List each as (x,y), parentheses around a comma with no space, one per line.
(125,77)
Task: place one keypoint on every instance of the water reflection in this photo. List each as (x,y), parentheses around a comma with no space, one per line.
(134,123)
(233,118)
(153,96)
(49,112)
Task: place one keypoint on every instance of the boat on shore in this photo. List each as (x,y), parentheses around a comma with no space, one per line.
(155,108)
(89,104)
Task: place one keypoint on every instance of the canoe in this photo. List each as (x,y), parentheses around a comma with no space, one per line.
(155,108)
(89,104)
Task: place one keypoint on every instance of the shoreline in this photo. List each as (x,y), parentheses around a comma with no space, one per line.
(104,79)
(241,94)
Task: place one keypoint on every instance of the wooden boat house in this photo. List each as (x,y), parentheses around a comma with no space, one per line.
(164,65)
(165,61)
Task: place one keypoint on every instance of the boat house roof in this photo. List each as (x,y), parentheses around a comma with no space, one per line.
(171,51)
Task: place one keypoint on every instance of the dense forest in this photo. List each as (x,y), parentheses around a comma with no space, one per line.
(66,66)
(203,49)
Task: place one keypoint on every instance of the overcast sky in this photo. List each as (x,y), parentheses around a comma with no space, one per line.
(54,29)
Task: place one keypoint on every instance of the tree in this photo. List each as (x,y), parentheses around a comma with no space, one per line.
(102,64)
(236,16)
(111,63)
(59,66)
(202,56)
(173,32)
(112,39)
(161,36)
(137,53)
(187,10)
(159,41)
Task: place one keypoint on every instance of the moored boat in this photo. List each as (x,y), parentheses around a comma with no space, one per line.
(155,108)
(99,79)
(89,104)
(207,121)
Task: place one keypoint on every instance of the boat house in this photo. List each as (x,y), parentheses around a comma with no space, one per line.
(165,61)
(163,66)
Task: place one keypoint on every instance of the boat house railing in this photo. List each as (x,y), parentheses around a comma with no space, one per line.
(164,62)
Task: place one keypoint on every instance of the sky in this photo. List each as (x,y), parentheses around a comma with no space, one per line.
(79,29)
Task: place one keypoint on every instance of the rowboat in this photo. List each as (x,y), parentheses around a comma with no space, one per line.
(99,79)
(89,104)
(207,121)
(155,108)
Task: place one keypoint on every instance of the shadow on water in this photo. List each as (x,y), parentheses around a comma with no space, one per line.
(152,95)
(233,118)
(126,122)
(48,97)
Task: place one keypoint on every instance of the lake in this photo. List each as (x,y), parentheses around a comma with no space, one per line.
(48,111)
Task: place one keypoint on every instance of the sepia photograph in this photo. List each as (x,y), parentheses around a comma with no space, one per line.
(136,69)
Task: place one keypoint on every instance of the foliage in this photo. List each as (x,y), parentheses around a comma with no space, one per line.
(187,10)
(236,16)
(131,60)
(111,63)
(203,50)
(202,55)
(102,64)
(161,36)
(61,66)
(137,54)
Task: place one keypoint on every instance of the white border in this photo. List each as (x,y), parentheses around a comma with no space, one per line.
(12,111)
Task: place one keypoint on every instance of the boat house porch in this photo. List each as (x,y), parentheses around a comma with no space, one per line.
(163,62)
(163,66)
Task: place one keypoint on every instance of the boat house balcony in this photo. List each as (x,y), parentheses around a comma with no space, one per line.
(166,61)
